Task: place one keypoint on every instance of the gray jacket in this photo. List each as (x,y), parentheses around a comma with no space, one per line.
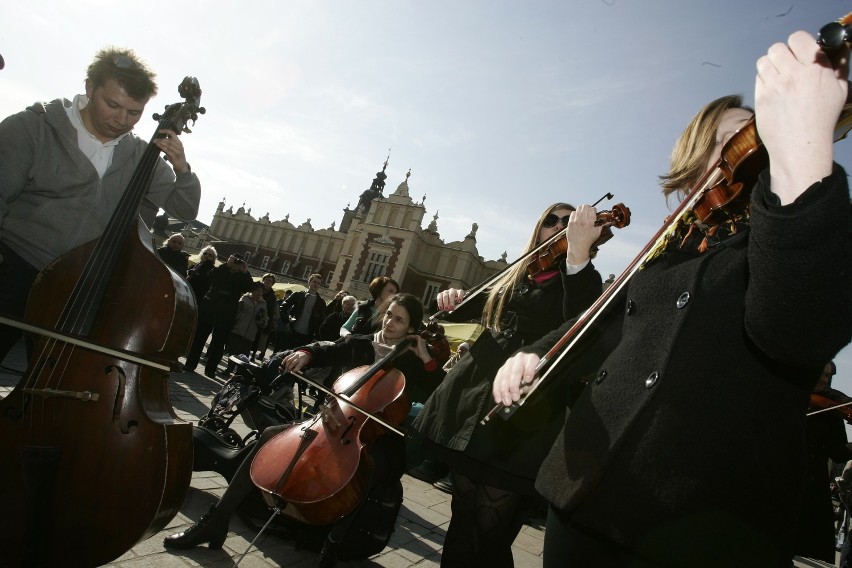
(51,198)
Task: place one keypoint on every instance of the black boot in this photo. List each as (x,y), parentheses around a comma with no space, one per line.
(212,528)
(328,554)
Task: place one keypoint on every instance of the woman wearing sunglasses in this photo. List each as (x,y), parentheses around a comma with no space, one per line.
(493,467)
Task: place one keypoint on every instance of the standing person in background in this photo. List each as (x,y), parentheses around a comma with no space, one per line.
(462,349)
(739,314)
(330,328)
(266,334)
(251,316)
(308,309)
(199,275)
(173,254)
(89,140)
(363,320)
(493,467)
(217,312)
(336,304)
(285,327)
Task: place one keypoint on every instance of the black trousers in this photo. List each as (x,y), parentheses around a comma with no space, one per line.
(16,279)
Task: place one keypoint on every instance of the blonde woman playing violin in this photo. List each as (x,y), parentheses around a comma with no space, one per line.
(493,467)
(687,447)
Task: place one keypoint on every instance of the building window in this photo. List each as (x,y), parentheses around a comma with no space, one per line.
(377,265)
(285,268)
(265,263)
(432,289)
(308,271)
(328,278)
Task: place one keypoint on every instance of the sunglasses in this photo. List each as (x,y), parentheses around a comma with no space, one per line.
(553,218)
(123,62)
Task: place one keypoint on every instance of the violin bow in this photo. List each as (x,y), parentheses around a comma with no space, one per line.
(562,347)
(835,407)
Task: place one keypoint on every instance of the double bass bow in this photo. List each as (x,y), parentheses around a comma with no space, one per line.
(94,458)
(724,187)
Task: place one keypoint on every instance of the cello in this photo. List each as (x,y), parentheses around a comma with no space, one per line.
(94,457)
(321,468)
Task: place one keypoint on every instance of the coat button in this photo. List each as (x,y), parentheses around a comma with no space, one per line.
(601,376)
(631,307)
(683,300)
(652,379)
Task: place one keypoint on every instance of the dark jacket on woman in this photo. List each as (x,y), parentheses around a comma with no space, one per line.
(219,305)
(689,444)
(504,454)
(178,260)
(199,278)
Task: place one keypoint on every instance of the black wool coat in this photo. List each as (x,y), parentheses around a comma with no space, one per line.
(219,305)
(688,447)
(504,454)
(296,302)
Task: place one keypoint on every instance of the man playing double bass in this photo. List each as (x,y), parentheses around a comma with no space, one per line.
(64,166)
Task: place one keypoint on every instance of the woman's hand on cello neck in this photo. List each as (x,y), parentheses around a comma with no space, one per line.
(420,348)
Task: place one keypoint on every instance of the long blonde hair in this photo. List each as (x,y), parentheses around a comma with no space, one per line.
(693,148)
(503,289)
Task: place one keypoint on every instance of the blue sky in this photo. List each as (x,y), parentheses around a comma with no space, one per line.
(498,107)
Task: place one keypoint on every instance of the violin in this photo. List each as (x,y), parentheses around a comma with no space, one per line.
(551,251)
(94,458)
(841,408)
(321,468)
(555,249)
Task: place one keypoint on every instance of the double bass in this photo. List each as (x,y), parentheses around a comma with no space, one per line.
(94,458)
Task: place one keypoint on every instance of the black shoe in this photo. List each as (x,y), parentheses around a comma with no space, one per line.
(444,484)
(428,471)
(212,529)
(328,554)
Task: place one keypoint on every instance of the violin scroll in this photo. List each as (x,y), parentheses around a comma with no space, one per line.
(618,217)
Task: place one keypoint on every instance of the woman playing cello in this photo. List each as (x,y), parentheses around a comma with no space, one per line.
(687,448)
(402,320)
(493,467)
